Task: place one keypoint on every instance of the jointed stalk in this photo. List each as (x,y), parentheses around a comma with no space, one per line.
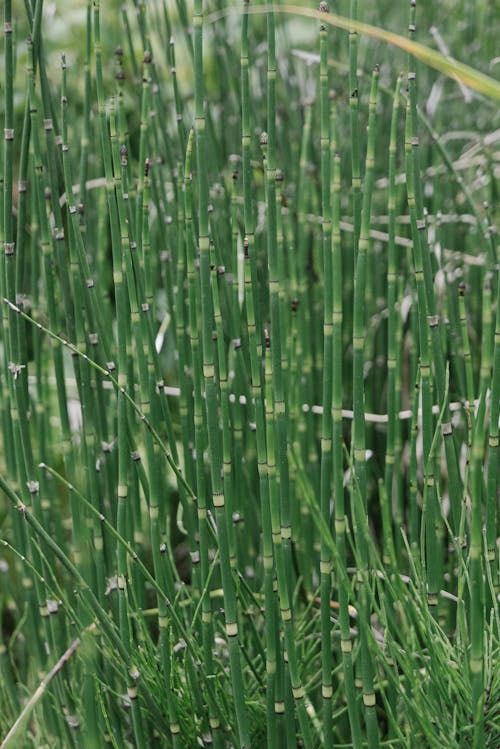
(278,460)
(360,493)
(123,346)
(392,332)
(326,428)
(432,564)
(274,665)
(338,461)
(202,557)
(422,258)
(354,111)
(494,453)
(211,389)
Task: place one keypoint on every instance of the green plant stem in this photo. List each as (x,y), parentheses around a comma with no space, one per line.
(433,566)
(277,452)
(359,442)
(326,428)
(211,389)
(393,270)
(338,462)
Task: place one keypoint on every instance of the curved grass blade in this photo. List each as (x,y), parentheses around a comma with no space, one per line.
(454,69)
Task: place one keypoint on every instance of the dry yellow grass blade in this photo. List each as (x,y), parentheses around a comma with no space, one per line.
(454,69)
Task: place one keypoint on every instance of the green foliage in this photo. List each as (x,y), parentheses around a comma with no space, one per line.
(249,376)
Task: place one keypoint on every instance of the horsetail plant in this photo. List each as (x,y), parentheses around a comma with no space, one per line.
(326,427)
(249,385)
(211,388)
(359,496)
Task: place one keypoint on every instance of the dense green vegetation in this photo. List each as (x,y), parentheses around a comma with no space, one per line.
(249,376)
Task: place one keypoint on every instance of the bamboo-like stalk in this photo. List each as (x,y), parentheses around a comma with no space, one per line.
(182,331)
(354,117)
(8,145)
(6,224)
(276,409)
(392,519)
(82,369)
(358,439)
(123,346)
(47,248)
(478,545)
(145,104)
(467,356)
(179,115)
(158,102)
(17,283)
(210,387)
(283,287)
(52,168)
(477,591)
(232,502)
(274,666)
(393,270)
(199,438)
(326,426)
(300,356)
(419,235)
(12,254)
(338,460)
(493,453)
(128,34)
(160,408)
(85,140)
(433,566)
(433,319)
(280,562)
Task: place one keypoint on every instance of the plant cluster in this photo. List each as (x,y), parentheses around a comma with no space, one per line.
(250,379)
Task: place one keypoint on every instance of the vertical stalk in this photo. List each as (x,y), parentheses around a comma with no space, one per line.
(211,389)
(478,558)
(281,573)
(430,510)
(179,116)
(359,443)
(274,666)
(494,453)
(145,99)
(299,382)
(11,263)
(433,321)
(354,115)
(467,359)
(85,140)
(338,461)
(200,440)
(227,464)
(123,345)
(477,591)
(88,545)
(392,335)
(279,462)
(8,148)
(181,332)
(326,421)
